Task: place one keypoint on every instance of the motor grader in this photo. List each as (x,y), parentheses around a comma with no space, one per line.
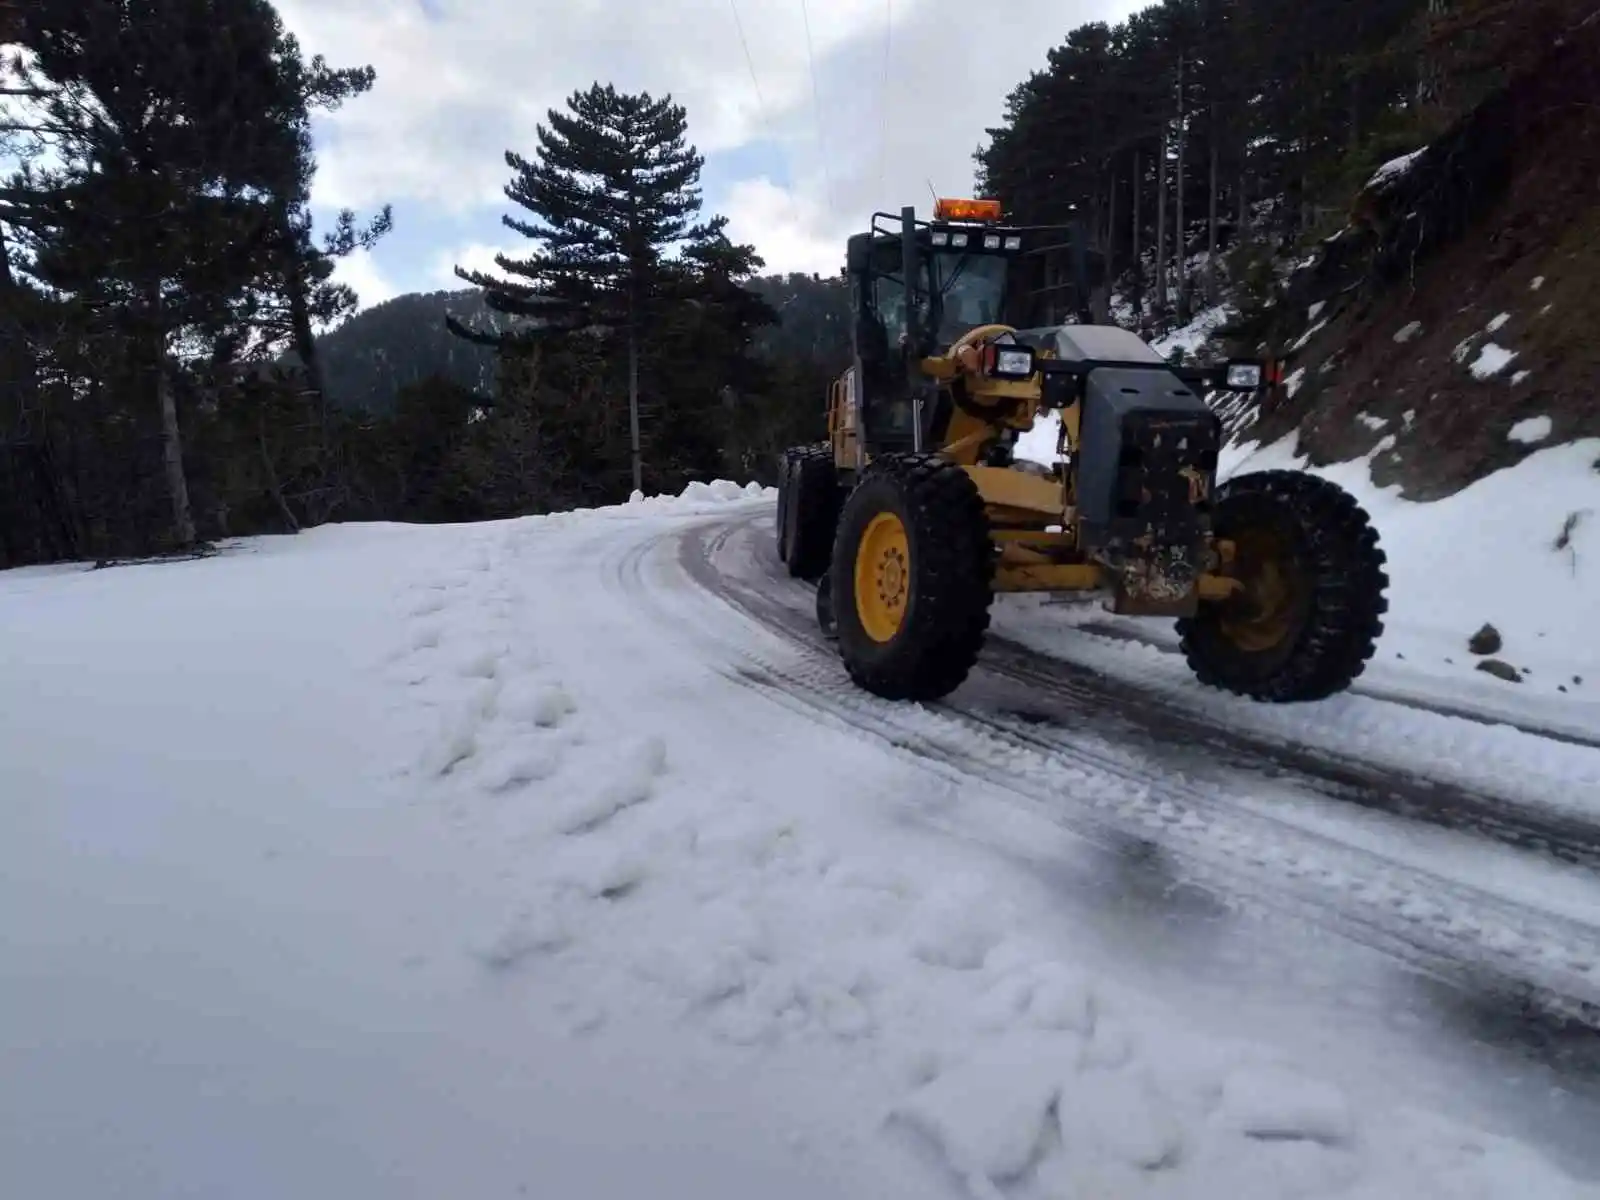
(915,512)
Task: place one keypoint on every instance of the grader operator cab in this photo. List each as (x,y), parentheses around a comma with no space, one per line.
(914,512)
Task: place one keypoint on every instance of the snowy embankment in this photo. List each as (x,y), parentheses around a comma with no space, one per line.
(387,862)
(1493,596)
(1515,557)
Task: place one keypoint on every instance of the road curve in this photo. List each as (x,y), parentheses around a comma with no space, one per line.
(1257,823)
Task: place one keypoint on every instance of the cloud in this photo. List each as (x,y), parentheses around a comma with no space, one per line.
(457,89)
(360,270)
(783,224)
(475,256)
(892,106)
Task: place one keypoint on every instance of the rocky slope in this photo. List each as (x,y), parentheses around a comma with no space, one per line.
(1449,330)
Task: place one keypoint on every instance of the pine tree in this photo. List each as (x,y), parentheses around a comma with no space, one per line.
(157,251)
(297,294)
(613,196)
(612,191)
(163,117)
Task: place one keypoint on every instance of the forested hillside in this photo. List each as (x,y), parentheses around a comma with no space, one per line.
(158,392)
(379,351)
(1394,197)
(1204,126)
(399,343)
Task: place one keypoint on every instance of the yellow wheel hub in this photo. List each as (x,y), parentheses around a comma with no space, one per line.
(883,577)
(1264,613)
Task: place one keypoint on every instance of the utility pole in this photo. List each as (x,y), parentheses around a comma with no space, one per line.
(633,338)
(633,399)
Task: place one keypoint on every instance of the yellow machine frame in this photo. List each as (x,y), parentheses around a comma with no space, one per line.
(1033,517)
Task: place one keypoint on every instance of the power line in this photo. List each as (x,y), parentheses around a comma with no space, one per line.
(883,134)
(750,62)
(816,104)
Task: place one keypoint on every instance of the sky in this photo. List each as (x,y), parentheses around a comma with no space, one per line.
(460,82)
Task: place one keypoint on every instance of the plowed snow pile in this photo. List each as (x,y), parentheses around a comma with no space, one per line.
(1514,558)
(387,862)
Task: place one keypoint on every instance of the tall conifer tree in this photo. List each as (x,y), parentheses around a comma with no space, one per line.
(612,192)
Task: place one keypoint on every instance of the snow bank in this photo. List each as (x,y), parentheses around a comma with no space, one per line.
(1518,551)
(697,496)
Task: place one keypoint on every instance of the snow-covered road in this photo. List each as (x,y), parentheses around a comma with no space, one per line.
(550,858)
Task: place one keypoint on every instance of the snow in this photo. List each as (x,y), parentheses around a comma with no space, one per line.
(1039,443)
(1408,332)
(1191,338)
(1371,422)
(469,860)
(1536,284)
(1305,338)
(1530,430)
(1504,551)
(1491,360)
(1395,168)
(1499,323)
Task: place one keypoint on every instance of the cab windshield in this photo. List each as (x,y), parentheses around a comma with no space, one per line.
(972,290)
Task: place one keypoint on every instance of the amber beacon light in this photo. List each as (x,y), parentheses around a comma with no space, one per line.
(967,210)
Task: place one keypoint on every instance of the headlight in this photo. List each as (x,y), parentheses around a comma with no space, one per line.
(1243,377)
(1010,362)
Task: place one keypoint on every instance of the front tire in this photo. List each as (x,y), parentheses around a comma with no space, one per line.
(912,577)
(1312,607)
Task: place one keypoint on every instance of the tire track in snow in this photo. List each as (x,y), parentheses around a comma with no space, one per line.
(1251,860)
(580,882)
(601,917)
(1062,696)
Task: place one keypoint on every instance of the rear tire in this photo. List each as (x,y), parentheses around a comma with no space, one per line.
(1312,612)
(912,577)
(785,498)
(825,620)
(781,530)
(812,512)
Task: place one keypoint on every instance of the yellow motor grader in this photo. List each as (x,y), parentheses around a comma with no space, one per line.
(915,512)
